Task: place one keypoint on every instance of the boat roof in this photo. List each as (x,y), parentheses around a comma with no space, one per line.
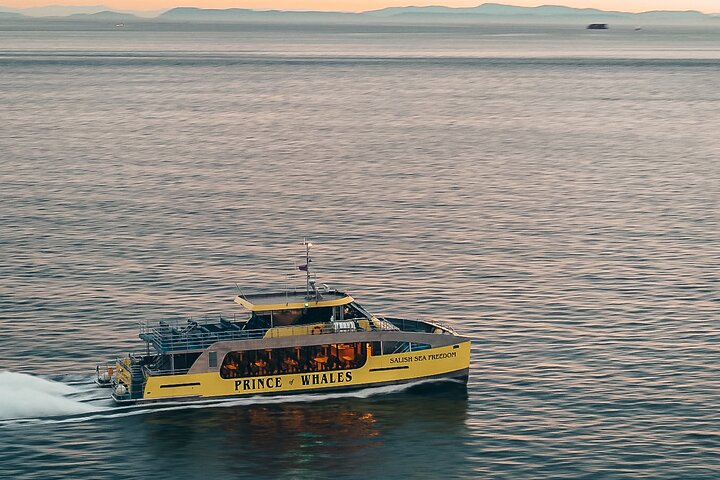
(262,302)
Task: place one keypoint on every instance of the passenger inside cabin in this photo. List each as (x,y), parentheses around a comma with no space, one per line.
(351,313)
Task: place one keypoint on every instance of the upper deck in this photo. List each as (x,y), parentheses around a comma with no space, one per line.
(272,315)
(176,336)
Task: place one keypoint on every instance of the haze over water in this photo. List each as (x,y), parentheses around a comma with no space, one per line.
(551,192)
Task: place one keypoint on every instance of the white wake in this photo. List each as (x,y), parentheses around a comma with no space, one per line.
(26,399)
(27,396)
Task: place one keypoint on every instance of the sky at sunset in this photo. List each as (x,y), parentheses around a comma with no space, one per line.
(708,6)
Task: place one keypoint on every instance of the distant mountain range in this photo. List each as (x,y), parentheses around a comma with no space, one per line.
(487,12)
(511,10)
(69,10)
(243,14)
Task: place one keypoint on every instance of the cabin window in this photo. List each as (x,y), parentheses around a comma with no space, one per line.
(389,348)
(212,359)
(184,361)
(352,311)
(414,347)
(258,321)
(281,318)
(282,361)
(316,315)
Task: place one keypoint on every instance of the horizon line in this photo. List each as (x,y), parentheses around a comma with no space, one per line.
(159,11)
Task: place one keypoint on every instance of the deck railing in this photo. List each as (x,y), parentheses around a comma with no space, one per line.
(174,336)
(407,325)
(166,339)
(149,372)
(121,363)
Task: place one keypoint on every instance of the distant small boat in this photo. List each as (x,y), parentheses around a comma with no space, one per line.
(119,25)
(598,26)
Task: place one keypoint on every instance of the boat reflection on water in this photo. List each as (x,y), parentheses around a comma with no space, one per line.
(335,435)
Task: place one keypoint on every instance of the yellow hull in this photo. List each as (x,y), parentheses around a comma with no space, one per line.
(378,370)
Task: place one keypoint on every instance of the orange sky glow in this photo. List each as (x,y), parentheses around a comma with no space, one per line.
(707,6)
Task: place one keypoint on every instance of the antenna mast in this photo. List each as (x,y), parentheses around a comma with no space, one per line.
(307,266)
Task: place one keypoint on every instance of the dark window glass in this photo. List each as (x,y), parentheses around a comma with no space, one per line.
(389,348)
(282,318)
(258,321)
(315,315)
(184,361)
(212,359)
(352,311)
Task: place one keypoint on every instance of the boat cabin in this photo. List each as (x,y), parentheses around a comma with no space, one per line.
(298,309)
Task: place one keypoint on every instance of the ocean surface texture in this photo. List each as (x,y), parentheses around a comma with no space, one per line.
(552,193)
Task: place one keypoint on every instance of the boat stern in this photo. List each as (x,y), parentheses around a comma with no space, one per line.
(127,380)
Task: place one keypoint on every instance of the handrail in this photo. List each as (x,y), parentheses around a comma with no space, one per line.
(123,365)
(176,340)
(406,324)
(168,336)
(158,373)
(386,325)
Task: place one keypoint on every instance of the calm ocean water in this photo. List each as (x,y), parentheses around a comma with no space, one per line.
(551,192)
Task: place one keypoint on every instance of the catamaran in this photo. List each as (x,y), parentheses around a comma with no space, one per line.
(310,340)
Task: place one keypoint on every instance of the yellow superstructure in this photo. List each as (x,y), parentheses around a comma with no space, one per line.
(274,302)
